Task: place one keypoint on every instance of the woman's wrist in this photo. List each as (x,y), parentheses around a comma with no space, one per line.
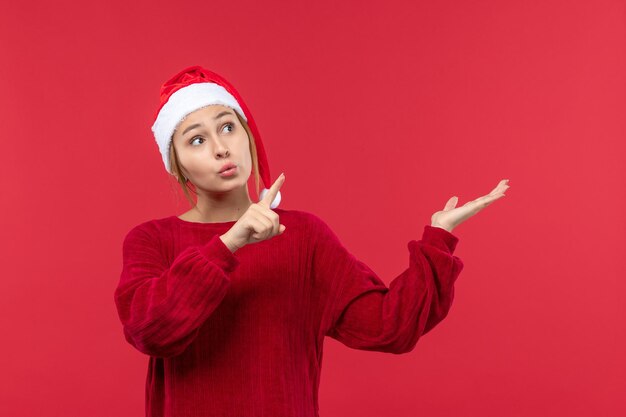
(441,227)
(229,243)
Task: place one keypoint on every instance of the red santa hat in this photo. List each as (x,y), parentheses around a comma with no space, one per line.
(191,89)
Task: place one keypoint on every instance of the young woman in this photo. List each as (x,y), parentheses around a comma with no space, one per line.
(232,299)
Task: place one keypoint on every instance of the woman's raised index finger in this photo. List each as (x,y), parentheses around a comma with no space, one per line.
(271,194)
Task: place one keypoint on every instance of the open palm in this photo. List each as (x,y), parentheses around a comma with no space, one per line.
(451,216)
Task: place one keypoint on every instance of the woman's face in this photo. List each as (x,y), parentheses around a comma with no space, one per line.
(205,141)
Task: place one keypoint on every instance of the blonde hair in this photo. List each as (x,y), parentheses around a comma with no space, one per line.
(176,170)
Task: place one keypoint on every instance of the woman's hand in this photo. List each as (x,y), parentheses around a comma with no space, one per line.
(258,223)
(452,216)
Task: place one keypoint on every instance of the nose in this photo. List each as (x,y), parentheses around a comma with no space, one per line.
(220,150)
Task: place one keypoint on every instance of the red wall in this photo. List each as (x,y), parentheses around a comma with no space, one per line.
(377,112)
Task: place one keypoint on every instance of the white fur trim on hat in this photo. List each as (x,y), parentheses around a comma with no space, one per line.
(276,200)
(180,104)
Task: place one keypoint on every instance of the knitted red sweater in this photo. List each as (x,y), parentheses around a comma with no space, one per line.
(241,334)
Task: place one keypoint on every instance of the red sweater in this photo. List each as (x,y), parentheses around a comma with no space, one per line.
(241,334)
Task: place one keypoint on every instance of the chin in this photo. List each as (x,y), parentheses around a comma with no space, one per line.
(223,187)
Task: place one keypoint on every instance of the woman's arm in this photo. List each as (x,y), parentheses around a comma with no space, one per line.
(162,308)
(365,314)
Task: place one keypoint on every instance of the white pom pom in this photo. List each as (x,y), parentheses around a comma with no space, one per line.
(276,201)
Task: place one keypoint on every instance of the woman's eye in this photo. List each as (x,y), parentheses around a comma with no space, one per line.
(194,139)
(231,125)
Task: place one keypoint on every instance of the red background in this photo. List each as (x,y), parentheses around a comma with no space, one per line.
(377,112)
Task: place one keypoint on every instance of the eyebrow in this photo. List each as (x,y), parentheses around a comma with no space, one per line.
(193,126)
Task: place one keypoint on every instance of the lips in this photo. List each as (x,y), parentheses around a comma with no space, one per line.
(227,166)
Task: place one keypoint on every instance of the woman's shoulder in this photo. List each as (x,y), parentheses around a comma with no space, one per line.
(152,227)
(302,217)
(306,223)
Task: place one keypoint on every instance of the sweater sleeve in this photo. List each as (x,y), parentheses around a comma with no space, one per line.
(163,306)
(365,314)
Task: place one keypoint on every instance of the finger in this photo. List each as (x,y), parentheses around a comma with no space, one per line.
(271,194)
(258,227)
(452,202)
(496,190)
(275,225)
(268,226)
(501,187)
(486,200)
(270,214)
(493,198)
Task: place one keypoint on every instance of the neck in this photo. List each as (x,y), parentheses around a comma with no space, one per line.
(222,207)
